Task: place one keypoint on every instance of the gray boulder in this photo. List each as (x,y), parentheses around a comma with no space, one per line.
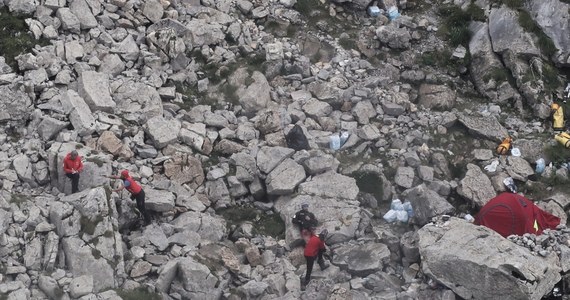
(137,101)
(153,10)
(316,108)
(198,282)
(81,286)
(362,260)
(394,37)
(285,178)
(486,127)
(94,88)
(426,204)
(50,127)
(209,227)
(81,10)
(404,177)
(158,200)
(518,168)
(80,114)
(255,96)
(270,157)
(436,97)
(246,168)
(23,7)
(476,186)
(477,263)
(23,167)
(15,105)
(553,17)
(161,131)
(68,20)
(330,185)
(507,34)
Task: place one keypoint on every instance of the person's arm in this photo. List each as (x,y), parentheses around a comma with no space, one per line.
(66,168)
(296,219)
(80,164)
(125,184)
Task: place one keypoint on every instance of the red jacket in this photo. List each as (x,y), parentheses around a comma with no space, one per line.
(313,246)
(132,186)
(70,164)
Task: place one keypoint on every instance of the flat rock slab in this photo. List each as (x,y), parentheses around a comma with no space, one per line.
(94,88)
(331,185)
(486,127)
(362,260)
(426,204)
(285,178)
(159,200)
(476,186)
(477,263)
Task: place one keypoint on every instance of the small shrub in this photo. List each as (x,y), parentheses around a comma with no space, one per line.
(476,12)
(96,160)
(545,44)
(137,294)
(308,7)
(14,37)
(497,74)
(557,153)
(19,199)
(89,226)
(264,224)
(96,253)
(348,43)
(369,183)
(456,22)
(550,77)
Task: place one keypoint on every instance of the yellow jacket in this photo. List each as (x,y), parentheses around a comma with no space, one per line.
(558,119)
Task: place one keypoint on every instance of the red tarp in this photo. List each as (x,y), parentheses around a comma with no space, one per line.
(510,213)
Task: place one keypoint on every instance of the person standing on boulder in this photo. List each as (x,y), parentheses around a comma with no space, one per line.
(137,193)
(72,166)
(314,250)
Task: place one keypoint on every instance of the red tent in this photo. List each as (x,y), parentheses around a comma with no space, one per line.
(510,213)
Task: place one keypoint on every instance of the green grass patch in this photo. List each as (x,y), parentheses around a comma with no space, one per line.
(498,74)
(96,160)
(309,8)
(14,37)
(263,223)
(19,199)
(557,153)
(545,44)
(348,43)
(137,294)
(442,59)
(455,22)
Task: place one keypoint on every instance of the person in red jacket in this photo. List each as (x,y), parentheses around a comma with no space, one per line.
(72,166)
(313,250)
(137,193)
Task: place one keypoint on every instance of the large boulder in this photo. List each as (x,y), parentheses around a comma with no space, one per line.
(507,34)
(285,178)
(518,168)
(158,200)
(331,185)
(477,263)
(209,227)
(80,114)
(254,96)
(15,105)
(197,280)
(270,157)
(94,88)
(394,37)
(161,131)
(81,10)
(426,204)
(94,213)
(339,216)
(362,260)
(436,96)
(95,166)
(486,127)
(137,101)
(476,186)
(553,17)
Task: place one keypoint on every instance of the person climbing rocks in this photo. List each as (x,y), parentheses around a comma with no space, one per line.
(137,192)
(314,250)
(558,123)
(306,221)
(72,166)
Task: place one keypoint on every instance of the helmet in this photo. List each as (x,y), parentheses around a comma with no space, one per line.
(554,106)
(125,173)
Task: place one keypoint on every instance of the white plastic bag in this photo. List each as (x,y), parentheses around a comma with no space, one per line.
(396,205)
(515,152)
(390,216)
(540,166)
(402,216)
(408,208)
(335,142)
(492,167)
(343,137)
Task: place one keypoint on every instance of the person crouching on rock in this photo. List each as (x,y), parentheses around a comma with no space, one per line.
(72,166)
(314,250)
(306,221)
(137,193)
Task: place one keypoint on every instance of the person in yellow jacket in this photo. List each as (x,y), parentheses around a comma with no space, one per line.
(558,123)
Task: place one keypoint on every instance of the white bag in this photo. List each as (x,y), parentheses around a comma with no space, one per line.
(402,216)
(390,216)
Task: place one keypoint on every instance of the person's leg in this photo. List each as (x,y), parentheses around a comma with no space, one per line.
(74,182)
(140,205)
(310,263)
(321,261)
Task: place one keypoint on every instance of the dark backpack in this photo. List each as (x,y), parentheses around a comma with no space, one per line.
(296,139)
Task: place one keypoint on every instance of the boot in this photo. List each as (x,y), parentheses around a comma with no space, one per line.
(323,265)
